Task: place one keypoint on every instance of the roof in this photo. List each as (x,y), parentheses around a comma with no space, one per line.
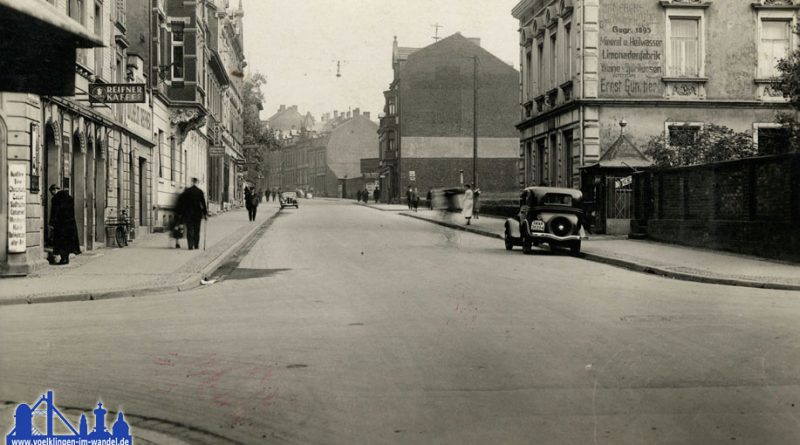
(623,153)
(41,11)
(286,120)
(541,191)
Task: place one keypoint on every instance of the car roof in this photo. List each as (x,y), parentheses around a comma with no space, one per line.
(541,191)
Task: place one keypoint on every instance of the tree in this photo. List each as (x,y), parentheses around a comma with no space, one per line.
(689,145)
(788,83)
(258,139)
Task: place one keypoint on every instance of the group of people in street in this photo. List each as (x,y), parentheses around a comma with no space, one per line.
(412,198)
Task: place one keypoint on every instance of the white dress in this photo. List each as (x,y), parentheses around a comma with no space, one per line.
(466,212)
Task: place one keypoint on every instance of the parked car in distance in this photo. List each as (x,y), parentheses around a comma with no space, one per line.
(547,215)
(289,199)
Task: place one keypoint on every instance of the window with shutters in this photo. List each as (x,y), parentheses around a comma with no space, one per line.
(775,39)
(684,46)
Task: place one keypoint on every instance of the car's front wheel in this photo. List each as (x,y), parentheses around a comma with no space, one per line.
(527,244)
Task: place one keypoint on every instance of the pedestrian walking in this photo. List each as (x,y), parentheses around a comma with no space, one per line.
(415,199)
(408,196)
(63,227)
(476,207)
(248,202)
(430,199)
(255,200)
(192,209)
(377,195)
(466,209)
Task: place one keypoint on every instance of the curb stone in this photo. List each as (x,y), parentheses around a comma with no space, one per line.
(192,282)
(634,266)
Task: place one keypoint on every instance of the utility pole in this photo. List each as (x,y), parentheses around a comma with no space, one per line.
(436,38)
(475,121)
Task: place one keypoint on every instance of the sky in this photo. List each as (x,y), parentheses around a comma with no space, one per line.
(296,44)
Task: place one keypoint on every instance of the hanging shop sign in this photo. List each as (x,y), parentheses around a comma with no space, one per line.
(116,93)
(17,189)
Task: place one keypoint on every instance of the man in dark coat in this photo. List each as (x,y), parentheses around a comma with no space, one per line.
(248,202)
(63,227)
(192,208)
(377,195)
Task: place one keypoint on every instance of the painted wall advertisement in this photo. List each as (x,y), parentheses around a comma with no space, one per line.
(631,49)
(17,189)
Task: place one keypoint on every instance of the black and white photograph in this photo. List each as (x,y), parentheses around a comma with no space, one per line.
(245,222)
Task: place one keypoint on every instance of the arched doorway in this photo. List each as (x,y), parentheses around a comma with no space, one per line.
(100,175)
(78,184)
(90,190)
(120,167)
(133,214)
(52,174)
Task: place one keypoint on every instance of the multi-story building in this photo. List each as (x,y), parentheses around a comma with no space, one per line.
(26,79)
(100,152)
(224,82)
(428,128)
(328,162)
(666,66)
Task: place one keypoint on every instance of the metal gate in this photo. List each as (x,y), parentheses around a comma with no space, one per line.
(619,198)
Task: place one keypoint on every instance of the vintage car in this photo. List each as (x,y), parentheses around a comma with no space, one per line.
(289,199)
(548,215)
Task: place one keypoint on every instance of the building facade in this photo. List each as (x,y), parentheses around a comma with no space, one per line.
(327,162)
(661,66)
(428,125)
(116,159)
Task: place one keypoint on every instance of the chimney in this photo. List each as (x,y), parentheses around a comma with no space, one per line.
(357,112)
(294,107)
(282,108)
(366,114)
(336,114)
(348,114)
(475,40)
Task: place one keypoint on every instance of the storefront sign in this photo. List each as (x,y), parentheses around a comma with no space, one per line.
(17,189)
(216,152)
(116,93)
(631,49)
(412,175)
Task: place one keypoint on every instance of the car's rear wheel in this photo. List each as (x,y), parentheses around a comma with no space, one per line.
(509,242)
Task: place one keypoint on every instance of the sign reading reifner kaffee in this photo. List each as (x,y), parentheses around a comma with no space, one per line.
(116,93)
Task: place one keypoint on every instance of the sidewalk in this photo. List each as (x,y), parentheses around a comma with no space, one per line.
(669,260)
(149,264)
(386,207)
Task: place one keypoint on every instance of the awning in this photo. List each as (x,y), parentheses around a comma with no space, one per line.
(47,17)
(38,48)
